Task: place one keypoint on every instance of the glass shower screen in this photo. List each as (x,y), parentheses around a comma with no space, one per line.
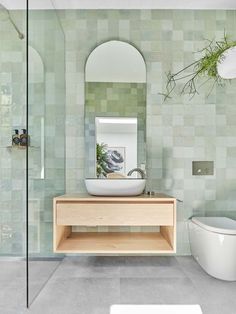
(46,138)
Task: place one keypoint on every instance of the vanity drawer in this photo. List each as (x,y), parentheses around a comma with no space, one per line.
(115,214)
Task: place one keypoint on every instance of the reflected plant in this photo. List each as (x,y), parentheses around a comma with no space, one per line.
(102,160)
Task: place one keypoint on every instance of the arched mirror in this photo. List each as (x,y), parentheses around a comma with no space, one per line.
(115,110)
(226,66)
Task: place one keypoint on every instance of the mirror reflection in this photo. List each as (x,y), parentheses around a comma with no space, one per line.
(116,145)
(115,110)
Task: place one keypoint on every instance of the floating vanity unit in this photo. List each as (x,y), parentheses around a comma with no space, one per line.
(90,211)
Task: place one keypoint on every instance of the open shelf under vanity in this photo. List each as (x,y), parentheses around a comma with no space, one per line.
(115,242)
(89,211)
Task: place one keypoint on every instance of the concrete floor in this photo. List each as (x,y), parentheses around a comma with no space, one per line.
(90,285)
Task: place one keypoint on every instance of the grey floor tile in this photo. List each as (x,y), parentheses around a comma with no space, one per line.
(214,291)
(222,308)
(12,287)
(107,267)
(211,290)
(12,310)
(165,261)
(76,295)
(190,267)
(158,267)
(90,285)
(11,270)
(158,291)
(98,309)
(13,293)
(39,273)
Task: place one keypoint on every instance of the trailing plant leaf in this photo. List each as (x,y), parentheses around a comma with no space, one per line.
(206,66)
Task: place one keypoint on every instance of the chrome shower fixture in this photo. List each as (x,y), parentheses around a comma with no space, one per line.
(5,15)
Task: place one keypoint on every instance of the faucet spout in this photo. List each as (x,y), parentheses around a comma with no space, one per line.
(140,171)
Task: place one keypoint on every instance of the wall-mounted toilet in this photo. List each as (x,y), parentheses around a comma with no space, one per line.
(213,245)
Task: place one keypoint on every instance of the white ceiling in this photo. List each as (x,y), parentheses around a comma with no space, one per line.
(121,4)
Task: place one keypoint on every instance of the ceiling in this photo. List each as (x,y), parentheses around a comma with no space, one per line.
(121,4)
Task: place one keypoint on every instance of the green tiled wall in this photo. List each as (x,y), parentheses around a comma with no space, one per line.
(178,131)
(47,101)
(46,36)
(113,100)
(12,116)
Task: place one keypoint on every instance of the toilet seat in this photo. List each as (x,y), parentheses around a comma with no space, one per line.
(220,225)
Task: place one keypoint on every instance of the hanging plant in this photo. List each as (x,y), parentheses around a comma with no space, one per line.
(206,66)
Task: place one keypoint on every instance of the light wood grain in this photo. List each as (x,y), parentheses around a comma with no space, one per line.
(86,210)
(59,232)
(115,242)
(143,197)
(115,214)
(62,233)
(169,232)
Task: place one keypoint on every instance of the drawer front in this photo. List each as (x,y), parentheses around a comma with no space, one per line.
(115,214)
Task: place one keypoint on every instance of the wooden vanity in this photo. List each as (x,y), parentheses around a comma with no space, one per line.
(87,210)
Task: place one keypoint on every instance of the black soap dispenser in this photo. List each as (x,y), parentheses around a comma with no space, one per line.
(24,138)
(16,138)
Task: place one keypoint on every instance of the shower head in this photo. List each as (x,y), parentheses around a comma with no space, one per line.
(5,15)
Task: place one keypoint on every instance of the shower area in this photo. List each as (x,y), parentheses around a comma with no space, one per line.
(32,146)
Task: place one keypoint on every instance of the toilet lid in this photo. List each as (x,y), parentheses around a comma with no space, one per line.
(216,224)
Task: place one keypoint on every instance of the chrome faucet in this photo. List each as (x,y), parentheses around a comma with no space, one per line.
(140,171)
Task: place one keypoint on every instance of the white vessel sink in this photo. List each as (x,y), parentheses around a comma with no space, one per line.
(115,187)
